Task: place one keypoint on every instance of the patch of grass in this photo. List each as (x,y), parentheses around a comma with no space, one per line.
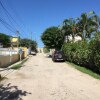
(85,70)
(23,61)
(16,66)
(19,65)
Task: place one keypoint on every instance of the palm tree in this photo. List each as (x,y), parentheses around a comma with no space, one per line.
(96,20)
(70,26)
(88,23)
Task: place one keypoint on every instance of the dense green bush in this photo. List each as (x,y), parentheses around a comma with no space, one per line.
(94,48)
(46,50)
(84,53)
(76,52)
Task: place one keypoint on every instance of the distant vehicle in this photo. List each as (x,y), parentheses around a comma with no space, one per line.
(49,55)
(58,56)
(33,53)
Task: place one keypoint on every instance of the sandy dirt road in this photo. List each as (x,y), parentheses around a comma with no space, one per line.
(42,79)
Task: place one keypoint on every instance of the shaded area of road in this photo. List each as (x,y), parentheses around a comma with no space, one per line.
(9,92)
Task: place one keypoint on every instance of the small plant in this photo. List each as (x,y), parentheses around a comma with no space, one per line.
(17,66)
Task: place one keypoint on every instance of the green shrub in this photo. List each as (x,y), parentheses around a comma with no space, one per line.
(76,52)
(94,48)
(46,50)
(84,53)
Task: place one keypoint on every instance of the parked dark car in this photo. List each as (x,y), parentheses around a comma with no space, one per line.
(58,56)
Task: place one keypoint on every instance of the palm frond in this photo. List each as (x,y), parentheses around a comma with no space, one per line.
(90,13)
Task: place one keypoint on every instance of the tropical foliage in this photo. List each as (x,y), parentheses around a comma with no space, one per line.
(85,52)
(88,23)
(83,26)
(70,27)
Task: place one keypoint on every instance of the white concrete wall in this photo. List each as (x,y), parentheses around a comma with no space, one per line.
(8,60)
(77,38)
(7,51)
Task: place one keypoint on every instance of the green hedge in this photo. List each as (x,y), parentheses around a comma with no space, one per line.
(84,53)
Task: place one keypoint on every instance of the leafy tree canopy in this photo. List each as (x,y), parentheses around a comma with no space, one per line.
(53,38)
(5,40)
(28,43)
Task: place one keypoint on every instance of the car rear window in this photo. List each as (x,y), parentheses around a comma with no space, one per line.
(61,52)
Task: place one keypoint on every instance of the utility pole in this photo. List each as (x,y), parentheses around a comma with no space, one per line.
(31,36)
(17,33)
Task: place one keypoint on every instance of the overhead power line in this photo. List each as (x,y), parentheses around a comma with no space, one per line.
(8,26)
